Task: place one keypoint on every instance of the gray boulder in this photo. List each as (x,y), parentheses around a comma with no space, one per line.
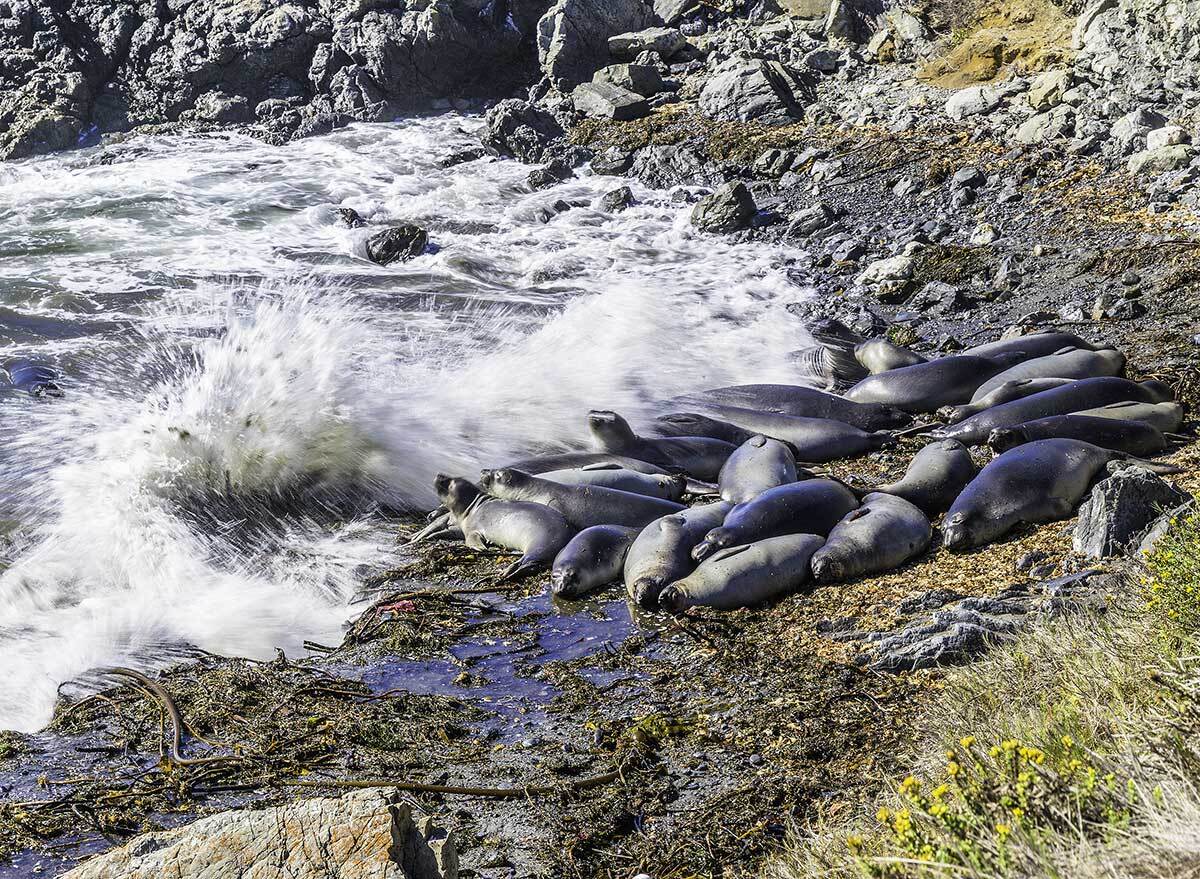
(1120,509)
(641,79)
(522,130)
(397,244)
(572,37)
(602,100)
(728,209)
(745,89)
(664,41)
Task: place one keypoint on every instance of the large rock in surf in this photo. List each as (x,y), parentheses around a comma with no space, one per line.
(367,834)
(522,130)
(728,209)
(399,243)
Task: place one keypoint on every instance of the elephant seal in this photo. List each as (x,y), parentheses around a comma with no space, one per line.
(935,477)
(755,466)
(1065,363)
(668,487)
(1134,437)
(699,456)
(880,355)
(662,553)
(1033,344)
(827,367)
(743,576)
(695,424)
(534,530)
(882,534)
(582,505)
(1041,481)
(815,440)
(1166,416)
(593,558)
(1075,396)
(801,402)
(813,506)
(570,460)
(34,379)
(1005,393)
(926,387)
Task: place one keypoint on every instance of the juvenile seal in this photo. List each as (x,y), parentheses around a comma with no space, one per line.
(534,530)
(1033,344)
(1075,396)
(694,424)
(1134,437)
(668,487)
(755,466)
(926,387)
(800,401)
(880,355)
(662,553)
(700,456)
(1005,393)
(581,505)
(743,576)
(882,534)
(813,506)
(593,558)
(815,440)
(568,460)
(1166,416)
(1041,481)
(34,379)
(935,477)
(1064,363)
(827,367)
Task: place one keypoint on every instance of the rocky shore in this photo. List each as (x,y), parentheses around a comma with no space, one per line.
(945,173)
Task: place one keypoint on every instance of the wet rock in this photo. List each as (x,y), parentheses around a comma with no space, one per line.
(573,36)
(555,172)
(753,89)
(522,130)
(602,100)
(617,200)
(350,218)
(641,79)
(1120,509)
(368,834)
(221,108)
(664,41)
(397,243)
(728,209)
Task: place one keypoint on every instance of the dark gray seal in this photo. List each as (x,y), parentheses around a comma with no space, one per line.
(1166,416)
(744,576)
(593,558)
(880,355)
(1005,393)
(814,440)
(567,460)
(668,486)
(1076,396)
(813,506)
(827,367)
(34,379)
(662,553)
(800,401)
(926,387)
(755,466)
(935,477)
(881,535)
(1033,345)
(1065,363)
(695,424)
(582,505)
(1134,437)
(534,530)
(700,456)
(1041,481)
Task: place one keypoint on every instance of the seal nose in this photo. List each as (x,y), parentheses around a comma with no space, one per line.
(646,592)
(672,599)
(954,536)
(563,579)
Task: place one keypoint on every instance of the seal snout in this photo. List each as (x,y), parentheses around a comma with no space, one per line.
(707,546)
(826,569)
(647,592)
(673,599)
(955,536)
(563,580)
(1002,439)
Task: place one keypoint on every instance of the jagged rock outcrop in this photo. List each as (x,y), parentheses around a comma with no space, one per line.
(1120,509)
(367,834)
(572,37)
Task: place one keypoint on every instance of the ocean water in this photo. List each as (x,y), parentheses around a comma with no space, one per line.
(247,399)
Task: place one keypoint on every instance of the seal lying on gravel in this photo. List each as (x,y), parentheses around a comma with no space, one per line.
(582,505)
(743,576)
(534,530)
(882,534)
(800,401)
(1076,396)
(813,506)
(935,477)
(574,460)
(1166,416)
(814,440)
(695,424)
(668,487)
(1033,345)
(880,355)
(755,466)
(926,387)
(1065,363)
(1041,481)
(702,457)
(594,557)
(1005,393)
(662,553)
(1133,437)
